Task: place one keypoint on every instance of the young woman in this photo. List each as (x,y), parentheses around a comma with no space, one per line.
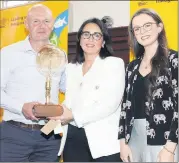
(148,129)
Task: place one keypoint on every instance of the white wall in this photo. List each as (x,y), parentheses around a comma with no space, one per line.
(80,11)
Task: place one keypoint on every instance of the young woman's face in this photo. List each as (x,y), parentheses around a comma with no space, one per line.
(145,29)
(91,39)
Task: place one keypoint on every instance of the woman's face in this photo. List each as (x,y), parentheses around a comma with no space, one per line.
(91,39)
(145,29)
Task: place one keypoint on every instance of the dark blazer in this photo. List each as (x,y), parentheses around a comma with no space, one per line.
(162,124)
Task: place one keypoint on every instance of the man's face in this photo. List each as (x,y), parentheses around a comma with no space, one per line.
(39,23)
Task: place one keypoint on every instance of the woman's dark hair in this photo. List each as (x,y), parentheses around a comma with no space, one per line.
(159,61)
(105,51)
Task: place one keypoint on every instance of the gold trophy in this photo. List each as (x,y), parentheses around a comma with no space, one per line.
(50,62)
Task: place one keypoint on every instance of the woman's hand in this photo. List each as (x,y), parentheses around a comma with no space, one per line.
(167,153)
(54,118)
(67,115)
(165,156)
(125,151)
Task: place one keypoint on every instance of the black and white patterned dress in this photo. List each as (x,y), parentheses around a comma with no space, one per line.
(162,124)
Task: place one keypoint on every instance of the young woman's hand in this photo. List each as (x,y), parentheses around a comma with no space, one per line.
(165,156)
(125,151)
(167,153)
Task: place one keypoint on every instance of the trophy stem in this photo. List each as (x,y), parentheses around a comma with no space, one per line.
(48,88)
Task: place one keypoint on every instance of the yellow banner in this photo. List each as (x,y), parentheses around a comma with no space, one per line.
(12,22)
(12,27)
(168,11)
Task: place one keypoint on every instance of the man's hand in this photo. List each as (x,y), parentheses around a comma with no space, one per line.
(27,110)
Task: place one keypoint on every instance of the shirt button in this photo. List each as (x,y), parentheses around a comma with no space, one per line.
(97,87)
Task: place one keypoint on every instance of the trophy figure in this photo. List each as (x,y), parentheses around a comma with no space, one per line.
(50,62)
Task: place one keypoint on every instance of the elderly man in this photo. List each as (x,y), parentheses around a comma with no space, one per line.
(22,86)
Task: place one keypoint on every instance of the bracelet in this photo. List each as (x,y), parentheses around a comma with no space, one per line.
(168,150)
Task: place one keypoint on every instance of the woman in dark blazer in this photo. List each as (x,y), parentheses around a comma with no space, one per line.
(148,128)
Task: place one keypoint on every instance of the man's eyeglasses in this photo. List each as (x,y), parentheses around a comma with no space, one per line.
(146,27)
(96,35)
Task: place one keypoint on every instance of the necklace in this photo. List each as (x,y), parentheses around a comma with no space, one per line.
(146,67)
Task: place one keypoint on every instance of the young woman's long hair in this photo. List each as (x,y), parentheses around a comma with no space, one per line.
(159,61)
(105,52)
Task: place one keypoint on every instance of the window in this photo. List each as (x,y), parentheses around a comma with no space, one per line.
(7,4)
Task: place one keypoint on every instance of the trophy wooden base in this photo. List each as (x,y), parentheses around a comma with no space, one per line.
(47,110)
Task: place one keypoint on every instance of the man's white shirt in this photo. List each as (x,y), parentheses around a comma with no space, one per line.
(21,82)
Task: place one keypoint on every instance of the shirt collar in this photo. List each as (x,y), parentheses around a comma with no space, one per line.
(27,46)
